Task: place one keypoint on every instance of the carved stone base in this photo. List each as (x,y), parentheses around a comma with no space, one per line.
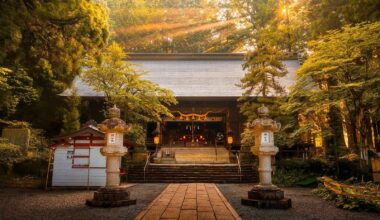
(267,198)
(111,197)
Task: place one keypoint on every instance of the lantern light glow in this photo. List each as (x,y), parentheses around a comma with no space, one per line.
(156,140)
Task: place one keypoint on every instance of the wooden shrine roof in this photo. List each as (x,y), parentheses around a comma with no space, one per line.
(81,132)
(84,131)
(192,75)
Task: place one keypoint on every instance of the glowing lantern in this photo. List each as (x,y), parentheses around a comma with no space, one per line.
(156,133)
(318,141)
(230,138)
(156,140)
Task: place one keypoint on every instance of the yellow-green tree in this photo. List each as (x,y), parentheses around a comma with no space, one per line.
(142,100)
(342,72)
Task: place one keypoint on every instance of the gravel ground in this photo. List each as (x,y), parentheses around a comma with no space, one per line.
(69,204)
(305,206)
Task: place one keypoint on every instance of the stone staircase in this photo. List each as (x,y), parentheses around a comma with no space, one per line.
(187,173)
(194,155)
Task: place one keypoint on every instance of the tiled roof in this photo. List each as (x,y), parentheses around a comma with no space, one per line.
(193,77)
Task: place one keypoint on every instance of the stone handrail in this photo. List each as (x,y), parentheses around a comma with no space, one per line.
(147,163)
(239,165)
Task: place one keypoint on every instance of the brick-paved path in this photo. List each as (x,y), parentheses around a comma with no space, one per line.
(189,201)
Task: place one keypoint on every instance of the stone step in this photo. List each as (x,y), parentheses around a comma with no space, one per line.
(195,154)
(181,173)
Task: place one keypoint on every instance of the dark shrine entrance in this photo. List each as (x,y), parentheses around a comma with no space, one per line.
(194,130)
(201,131)
(194,133)
(198,123)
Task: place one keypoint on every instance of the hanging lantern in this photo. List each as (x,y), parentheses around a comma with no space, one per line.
(156,133)
(156,140)
(230,138)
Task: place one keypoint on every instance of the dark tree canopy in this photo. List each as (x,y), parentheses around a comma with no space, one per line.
(43,44)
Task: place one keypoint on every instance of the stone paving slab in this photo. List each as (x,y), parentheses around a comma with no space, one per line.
(189,201)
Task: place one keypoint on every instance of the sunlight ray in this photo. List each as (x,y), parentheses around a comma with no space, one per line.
(151,27)
(185,30)
(201,28)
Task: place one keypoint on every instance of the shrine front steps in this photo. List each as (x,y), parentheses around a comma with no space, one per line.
(187,173)
(197,155)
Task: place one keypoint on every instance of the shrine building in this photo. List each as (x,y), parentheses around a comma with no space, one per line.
(205,85)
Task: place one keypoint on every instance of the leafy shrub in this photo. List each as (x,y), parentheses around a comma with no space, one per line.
(291,172)
(314,166)
(38,143)
(352,168)
(9,155)
(343,168)
(284,177)
(344,202)
(31,167)
(324,193)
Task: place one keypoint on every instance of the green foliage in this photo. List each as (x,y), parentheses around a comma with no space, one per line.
(71,114)
(3,74)
(16,88)
(333,14)
(122,84)
(51,47)
(137,133)
(43,43)
(35,166)
(264,68)
(9,155)
(295,172)
(341,73)
(311,166)
(288,178)
(248,137)
(169,26)
(13,159)
(255,15)
(38,144)
(229,26)
(324,193)
(344,202)
(356,169)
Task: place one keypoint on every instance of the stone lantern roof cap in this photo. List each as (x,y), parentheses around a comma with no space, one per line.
(114,112)
(264,121)
(113,122)
(263,111)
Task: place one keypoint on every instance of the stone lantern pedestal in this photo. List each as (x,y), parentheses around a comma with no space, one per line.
(112,195)
(265,194)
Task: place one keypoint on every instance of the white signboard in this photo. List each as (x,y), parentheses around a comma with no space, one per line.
(265,138)
(112,138)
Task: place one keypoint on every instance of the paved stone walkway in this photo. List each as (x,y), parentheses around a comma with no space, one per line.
(196,201)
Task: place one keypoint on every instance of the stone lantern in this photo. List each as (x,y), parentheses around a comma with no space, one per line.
(265,194)
(113,194)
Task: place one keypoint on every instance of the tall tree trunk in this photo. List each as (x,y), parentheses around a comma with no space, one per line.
(376,132)
(353,138)
(336,127)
